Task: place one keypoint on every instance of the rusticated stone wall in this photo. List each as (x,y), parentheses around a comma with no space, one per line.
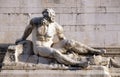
(93,22)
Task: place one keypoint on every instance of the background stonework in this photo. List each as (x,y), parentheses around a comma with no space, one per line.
(93,22)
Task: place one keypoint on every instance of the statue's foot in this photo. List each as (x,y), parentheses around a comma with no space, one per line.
(102,51)
(114,63)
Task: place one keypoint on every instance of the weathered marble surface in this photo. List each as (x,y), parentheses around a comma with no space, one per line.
(39,67)
(54,73)
(5,72)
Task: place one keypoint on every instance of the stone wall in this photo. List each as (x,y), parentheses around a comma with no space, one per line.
(93,22)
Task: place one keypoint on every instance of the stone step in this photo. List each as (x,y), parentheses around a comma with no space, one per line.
(113,72)
(54,73)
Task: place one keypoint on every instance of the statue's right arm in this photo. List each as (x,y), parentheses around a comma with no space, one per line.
(26,33)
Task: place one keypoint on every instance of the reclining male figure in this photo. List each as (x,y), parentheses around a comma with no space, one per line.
(45,28)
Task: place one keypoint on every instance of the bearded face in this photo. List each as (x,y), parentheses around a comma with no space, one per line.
(49,14)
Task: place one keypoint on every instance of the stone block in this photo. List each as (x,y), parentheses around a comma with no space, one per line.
(20,3)
(55,73)
(4,28)
(2,37)
(118,19)
(66,28)
(57,19)
(27,3)
(87,38)
(23,58)
(88,3)
(10,37)
(110,3)
(60,3)
(99,27)
(70,3)
(106,38)
(64,18)
(18,19)
(93,10)
(80,10)
(118,38)
(16,28)
(92,38)
(18,10)
(113,9)
(13,19)
(100,9)
(105,18)
(99,38)
(105,3)
(7,3)
(4,19)
(79,19)
(65,10)
(112,27)
(10,55)
(86,19)
(9,10)
(34,10)
(34,15)
(79,3)
(113,38)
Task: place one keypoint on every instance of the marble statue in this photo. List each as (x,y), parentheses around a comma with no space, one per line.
(65,51)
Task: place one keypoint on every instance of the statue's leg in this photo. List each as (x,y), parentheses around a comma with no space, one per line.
(94,51)
(81,48)
(53,53)
(27,47)
(24,47)
(114,63)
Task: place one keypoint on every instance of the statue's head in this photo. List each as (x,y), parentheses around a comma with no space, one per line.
(49,14)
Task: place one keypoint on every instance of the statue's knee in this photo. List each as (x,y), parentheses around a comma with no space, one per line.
(56,53)
(69,44)
(27,42)
(27,47)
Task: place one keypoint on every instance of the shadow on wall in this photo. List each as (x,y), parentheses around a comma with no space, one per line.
(3,50)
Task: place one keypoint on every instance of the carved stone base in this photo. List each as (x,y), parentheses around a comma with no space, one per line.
(32,65)
(54,73)
(20,70)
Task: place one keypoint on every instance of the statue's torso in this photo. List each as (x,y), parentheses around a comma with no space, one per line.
(43,34)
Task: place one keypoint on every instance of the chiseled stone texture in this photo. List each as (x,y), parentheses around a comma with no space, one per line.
(93,22)
(54,73)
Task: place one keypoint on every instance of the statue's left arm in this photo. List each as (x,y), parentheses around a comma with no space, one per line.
(59,30)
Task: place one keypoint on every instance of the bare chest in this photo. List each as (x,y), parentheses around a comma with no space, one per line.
(45,33)
(46,30)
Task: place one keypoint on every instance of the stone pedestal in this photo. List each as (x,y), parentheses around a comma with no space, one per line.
(42,69)
(34,66)
(54,73)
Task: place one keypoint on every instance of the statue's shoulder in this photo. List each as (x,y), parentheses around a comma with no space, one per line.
(36,20)
(58,26)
